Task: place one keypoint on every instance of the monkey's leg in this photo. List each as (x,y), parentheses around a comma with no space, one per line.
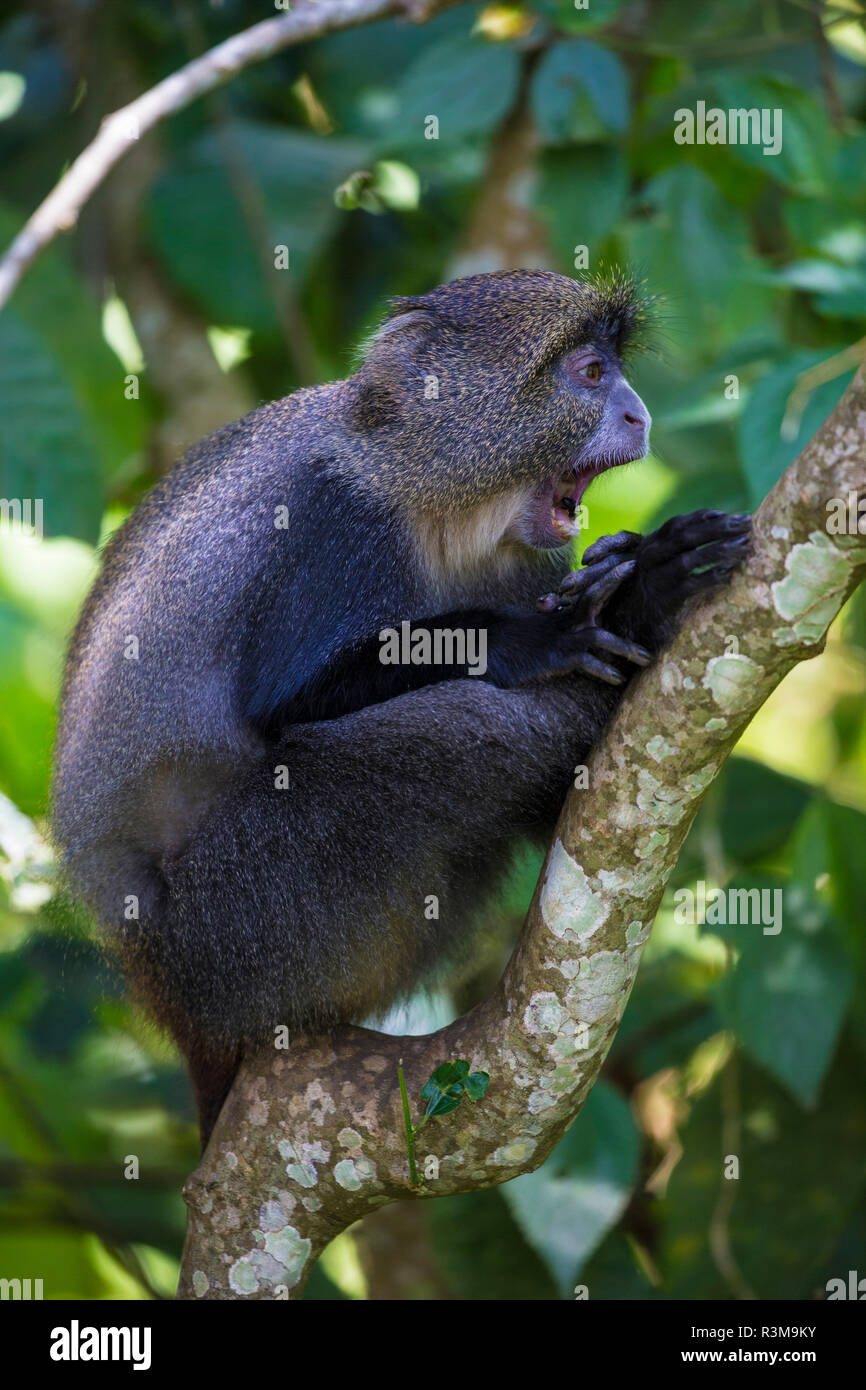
(686,555)
(320,897)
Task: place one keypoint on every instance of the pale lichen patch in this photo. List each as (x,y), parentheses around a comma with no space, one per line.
(540,1100)
(655,840)
(543,1014)
(809,596)
(659,748)
(272,1216)
(598,991)
(200,1283)
(569,907)
(349,1139)
(517,1151)
(661,804)
(568,968)
(291,1251)
(242,1276)
(733,681)
(304,1174)
(315,1153)
(346,1174)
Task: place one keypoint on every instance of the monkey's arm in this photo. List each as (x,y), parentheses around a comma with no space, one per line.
(510,648)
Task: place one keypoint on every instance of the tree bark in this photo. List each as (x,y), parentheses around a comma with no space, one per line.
(312,1139)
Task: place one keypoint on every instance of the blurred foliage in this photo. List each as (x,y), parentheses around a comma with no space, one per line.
(734,1042)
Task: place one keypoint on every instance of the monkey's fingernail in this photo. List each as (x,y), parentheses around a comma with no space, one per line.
(546,603)
(570,582)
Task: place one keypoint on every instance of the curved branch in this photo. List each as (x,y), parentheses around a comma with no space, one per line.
(312,1139)
(309,19)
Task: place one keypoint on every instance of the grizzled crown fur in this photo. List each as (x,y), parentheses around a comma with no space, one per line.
(458,395)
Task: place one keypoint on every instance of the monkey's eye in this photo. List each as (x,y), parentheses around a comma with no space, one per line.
(587,367)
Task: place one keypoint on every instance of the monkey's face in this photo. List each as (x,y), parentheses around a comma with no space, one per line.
(589,389)
(493,401)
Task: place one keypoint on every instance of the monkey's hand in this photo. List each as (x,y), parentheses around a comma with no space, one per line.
(686,555)
(570,630)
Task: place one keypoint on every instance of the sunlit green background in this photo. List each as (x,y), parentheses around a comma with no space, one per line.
(162,316)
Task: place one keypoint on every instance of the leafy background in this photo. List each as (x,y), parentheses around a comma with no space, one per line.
(556,130)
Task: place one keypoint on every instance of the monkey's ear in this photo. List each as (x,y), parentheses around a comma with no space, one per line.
(407,328)
(392,367)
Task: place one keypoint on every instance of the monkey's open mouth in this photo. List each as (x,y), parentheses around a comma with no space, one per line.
(565,500)
(565,496)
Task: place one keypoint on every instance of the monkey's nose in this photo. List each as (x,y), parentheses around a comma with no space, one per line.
(637,420)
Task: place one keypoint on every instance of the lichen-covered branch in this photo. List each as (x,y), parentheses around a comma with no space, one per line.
(312,1139)
(307,19)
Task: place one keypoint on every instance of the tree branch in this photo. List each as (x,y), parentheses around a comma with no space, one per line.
(312,1139)
(309,19)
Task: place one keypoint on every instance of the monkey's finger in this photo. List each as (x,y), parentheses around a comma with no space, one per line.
(688,533)
(596,584)
(579,580)
(723,554)
(608,583)
(600,549)
(575,585)
(621,646)
(585,664)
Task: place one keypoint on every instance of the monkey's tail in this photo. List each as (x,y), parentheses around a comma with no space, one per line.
(178,985)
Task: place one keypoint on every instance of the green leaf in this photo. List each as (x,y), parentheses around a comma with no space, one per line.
(787,995)
(808,141)
(581,194)
(443,1103)
(567,17)
(694,252)
(65,426)
(579,92)
(776,423)
(446,1087)
(468,84)
(754,808)
(567,1205)
(445,1075)
(481,1252)
(799,1181)
(223,257)
(476,1085)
